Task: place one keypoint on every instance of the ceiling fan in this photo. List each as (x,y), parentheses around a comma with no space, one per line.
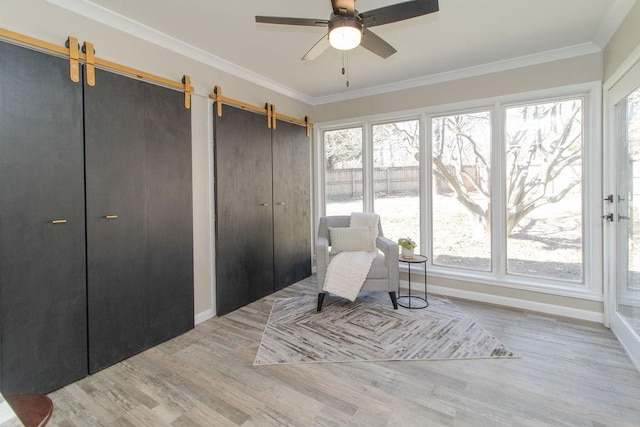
(348,28)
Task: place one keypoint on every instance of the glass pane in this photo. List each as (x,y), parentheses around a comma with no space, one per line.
(544,189)
(396,175)
(343,171)
(628,283)
(461,195)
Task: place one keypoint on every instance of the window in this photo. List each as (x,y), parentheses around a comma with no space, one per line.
(543,154)
(461,193)
(396,178)
(498,195)
(343,171)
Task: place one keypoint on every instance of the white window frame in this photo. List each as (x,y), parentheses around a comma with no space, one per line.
(591,288)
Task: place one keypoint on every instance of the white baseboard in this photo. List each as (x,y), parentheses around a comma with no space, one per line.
(539,307)
(205,315)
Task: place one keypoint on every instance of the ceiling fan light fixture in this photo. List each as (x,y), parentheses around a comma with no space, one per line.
(345,34)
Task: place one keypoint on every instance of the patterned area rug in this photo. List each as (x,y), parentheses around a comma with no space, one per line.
(369,329)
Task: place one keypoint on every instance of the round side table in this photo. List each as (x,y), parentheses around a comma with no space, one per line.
(414,301)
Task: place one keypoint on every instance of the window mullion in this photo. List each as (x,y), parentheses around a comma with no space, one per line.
(498,193)
(425,189)
(367,167)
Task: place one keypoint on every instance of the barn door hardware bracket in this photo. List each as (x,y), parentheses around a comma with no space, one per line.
(217,91)
(74,64)
(188,89)
(307,125)
(267,107)
(90,61)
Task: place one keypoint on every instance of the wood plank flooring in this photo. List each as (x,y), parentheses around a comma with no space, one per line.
(571,373)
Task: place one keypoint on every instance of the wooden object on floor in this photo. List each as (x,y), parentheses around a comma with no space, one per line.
(34,410)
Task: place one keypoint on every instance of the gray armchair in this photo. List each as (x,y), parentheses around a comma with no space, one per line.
(383,275)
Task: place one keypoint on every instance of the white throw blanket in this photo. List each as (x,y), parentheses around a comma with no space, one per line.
(347,272)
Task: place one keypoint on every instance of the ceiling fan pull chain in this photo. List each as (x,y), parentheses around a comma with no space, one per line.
(346,54)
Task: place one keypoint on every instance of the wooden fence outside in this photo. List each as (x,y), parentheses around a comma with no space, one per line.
(347,183)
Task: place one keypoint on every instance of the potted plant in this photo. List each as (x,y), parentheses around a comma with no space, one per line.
(407,245)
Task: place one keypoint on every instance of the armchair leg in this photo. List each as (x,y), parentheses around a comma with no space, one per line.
(394,300)
(320,300)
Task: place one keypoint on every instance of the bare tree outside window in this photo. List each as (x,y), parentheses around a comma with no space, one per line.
(343,171)
(542,179)
(396,170)
(544,144)
(461,196)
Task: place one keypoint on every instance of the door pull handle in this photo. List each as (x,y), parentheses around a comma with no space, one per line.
(264,204)
(111,216)
(280,203)
(608,217)
(59,221)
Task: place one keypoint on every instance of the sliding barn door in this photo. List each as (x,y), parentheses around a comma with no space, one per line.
(43,335)
(244,217)
(291,204)
(169,213)
(139,218)
(116,220)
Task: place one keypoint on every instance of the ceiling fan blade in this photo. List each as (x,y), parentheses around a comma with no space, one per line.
(344,7)
(317,49)
(398,12)
(292,21)
(376,45)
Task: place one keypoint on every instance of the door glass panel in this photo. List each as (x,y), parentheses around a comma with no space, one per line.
(628,224)
(461,190)
(343,171)
(396,179)
(543,144)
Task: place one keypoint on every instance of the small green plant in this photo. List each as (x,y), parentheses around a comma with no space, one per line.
(407,243)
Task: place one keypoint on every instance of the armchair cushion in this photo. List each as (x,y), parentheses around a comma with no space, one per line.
(350,239)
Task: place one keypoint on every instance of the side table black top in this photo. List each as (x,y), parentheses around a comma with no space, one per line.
(414,301)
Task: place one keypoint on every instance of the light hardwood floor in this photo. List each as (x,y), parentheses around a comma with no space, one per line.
(571,373)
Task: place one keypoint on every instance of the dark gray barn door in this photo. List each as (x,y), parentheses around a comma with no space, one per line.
(139,219)
(169,213)
(43,335)
(244,216)
(116,221)
(291,204)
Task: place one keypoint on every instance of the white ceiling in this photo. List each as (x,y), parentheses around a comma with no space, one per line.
(466,37)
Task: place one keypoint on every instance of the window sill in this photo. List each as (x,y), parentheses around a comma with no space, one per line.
(544,286)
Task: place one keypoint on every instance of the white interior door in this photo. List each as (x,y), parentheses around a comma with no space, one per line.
(623,204)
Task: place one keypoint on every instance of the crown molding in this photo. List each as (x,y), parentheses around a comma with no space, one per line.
(127,25)
(478,70)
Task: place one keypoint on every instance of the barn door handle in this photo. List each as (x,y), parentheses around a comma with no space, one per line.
(111,216)
(264,204)
(280,203)
(59,221)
